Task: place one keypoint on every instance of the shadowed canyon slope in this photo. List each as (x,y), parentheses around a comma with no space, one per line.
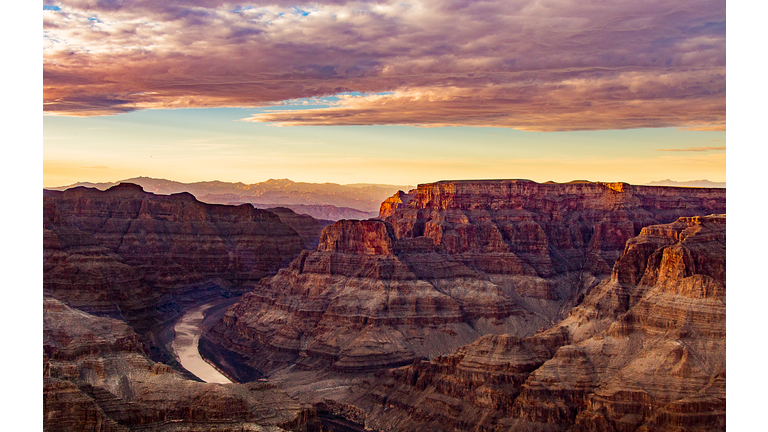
(144,258)
(445,264)
(122,249)
(644,351)
(97,377)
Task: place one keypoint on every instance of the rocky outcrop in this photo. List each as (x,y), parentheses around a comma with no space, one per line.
(644,351)
(446,264)
(395,202)
(97,377)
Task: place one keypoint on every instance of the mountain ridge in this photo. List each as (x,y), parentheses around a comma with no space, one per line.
(330,201)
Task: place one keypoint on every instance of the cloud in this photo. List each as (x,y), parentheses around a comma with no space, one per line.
(544,65)
(694,149)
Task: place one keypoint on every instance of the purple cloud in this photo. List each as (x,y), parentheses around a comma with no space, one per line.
(546,65)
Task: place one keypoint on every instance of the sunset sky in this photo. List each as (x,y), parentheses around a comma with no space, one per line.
(399,92)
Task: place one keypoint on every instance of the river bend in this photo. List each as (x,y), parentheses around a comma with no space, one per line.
(188,330)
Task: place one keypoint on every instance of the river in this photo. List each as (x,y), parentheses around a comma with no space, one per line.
(188,330)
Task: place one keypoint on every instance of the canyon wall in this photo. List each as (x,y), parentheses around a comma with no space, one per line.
(120,250)
(444,265)
(144,258)
(645,350)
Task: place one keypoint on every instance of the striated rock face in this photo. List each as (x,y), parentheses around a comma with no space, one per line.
(97,377)
(550,227)
(308,228)
(644,351)
(444,265)
(119,250)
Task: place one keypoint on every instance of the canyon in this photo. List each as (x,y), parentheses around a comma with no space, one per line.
(442,266)
(465,305)
(644,351)
(97,376)
(144,258)
(119,268)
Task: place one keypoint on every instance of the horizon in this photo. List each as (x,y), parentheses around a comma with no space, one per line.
(116,182)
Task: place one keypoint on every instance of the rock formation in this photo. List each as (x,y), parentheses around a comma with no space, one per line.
(644,351)
(97,377)
(446,264)
(142,257)
(122,248)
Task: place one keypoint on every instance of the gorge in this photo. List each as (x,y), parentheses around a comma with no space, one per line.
(187,331)
(466,305)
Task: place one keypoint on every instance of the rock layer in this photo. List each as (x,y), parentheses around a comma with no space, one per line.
(119,250)
(644,351)
(446,264)
(143,257)
(97,377)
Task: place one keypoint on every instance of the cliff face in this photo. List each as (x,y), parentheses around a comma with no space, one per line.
(445,265)
(97,377)
(395,202)
(308,228)
(644,351)
(551,227)
(121,249)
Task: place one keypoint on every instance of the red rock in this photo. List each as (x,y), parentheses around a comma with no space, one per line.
(630,357)
(446,264)
(126,247)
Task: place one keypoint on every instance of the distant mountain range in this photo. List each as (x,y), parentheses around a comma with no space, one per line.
(328,201)
(690,183)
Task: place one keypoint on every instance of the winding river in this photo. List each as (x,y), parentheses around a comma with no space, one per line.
(188,330)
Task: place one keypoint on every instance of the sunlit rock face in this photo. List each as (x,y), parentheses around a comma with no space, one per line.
(121,250)
(644,351)
(444,265)
(97,377)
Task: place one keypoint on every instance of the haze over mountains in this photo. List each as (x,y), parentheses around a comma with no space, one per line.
(329,201)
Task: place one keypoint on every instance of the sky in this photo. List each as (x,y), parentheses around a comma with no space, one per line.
(383,91)
(398,92)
